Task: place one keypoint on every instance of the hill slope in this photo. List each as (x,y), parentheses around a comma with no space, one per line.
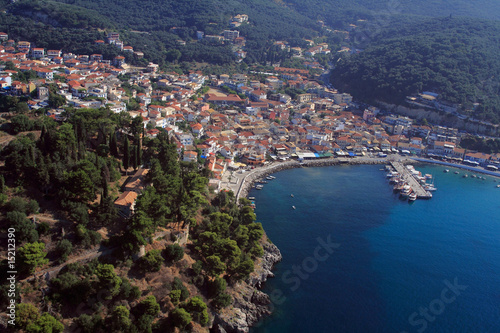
(458,58)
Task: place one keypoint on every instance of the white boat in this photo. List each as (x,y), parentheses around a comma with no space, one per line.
(291,195)
(405,192)
(498,186)
(456,172)
(412,196)
(430,188)
(251,198)
(446,170)
(465,176)
(259,187)
(293,207)
(269,178)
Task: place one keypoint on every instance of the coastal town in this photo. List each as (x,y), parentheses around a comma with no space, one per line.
(228,122)
(145,150)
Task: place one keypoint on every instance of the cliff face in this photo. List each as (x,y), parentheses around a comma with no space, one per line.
(250,304)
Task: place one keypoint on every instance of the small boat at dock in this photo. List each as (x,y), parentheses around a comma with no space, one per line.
(412,196)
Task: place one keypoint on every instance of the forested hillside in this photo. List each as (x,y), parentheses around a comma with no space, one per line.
(457,58)
(147,25)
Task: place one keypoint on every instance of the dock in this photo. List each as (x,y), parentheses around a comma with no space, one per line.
(414,183)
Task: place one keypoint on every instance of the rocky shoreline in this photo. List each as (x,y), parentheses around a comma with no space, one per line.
(250,304)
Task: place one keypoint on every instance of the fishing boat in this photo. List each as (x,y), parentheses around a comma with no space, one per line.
(405,192)
(394,180)
(398,187)
(430,188)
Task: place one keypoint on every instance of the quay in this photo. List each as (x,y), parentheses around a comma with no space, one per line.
(414,183)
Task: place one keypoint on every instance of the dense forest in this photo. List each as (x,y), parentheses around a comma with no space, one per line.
(455,57)
(74,172)
(148,25)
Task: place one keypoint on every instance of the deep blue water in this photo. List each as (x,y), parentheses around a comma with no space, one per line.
(429,266)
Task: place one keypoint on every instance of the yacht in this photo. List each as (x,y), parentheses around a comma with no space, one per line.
(405,192)
(430,188)
(412,196)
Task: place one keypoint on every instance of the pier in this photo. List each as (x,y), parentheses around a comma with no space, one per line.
(414,183)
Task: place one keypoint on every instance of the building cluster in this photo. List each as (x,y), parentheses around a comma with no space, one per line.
(227,131)
(230,36)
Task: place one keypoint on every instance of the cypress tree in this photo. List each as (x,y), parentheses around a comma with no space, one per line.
(126,155)
(113,146)
(135,158)
(105,189)
(139,153)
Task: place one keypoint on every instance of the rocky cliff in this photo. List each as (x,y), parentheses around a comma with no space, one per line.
(250,304)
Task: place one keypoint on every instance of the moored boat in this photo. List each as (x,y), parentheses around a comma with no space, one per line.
(412,196)
(405,192)
(430,188)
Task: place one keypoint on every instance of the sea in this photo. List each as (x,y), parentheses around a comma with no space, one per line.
(357,258)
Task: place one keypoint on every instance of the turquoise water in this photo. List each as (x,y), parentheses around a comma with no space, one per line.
(390,266)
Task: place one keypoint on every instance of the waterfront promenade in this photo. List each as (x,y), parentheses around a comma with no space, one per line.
(241,181)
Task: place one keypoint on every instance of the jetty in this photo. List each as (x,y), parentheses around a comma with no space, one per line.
(412,181)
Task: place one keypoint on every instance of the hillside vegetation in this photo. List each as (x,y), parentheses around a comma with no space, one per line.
(457,58)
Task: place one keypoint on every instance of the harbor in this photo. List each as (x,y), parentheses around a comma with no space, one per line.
(409,178)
